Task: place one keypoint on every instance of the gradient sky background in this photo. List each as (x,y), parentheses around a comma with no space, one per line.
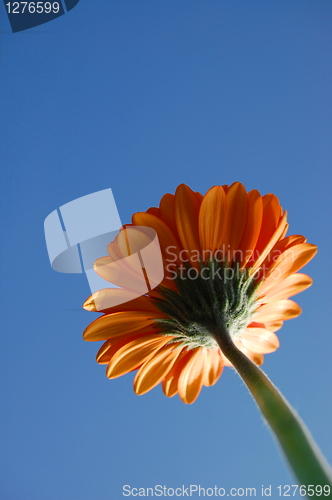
(140,96)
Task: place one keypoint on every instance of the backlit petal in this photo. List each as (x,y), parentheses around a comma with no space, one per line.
(153,211)
(110,300)
(291,285)
(237,206)
(111,346)
(186,214)
(154,370)
(289,262)
(170,381)
(252,228)
(273,240)
(260,340)
(191,378)
(125,273)
(165,236)
(132,355)
(273,326)
(271,217)
(256,357)
(167,212)
(111,325)
(212,219)
(213,367)
(278,310)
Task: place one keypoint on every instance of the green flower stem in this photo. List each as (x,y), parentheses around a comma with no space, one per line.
(302,453)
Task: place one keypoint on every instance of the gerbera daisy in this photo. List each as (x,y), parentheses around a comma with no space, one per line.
(229,270)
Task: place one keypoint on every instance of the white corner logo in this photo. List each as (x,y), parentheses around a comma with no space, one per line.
(121,263)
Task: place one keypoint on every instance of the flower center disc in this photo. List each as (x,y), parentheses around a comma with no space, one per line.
(214,297)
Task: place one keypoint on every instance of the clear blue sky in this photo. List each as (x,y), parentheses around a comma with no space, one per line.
(140,96)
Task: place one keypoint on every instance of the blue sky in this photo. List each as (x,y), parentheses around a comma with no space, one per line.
(139,97)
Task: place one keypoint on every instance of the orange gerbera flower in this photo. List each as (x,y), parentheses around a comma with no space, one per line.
(229,270)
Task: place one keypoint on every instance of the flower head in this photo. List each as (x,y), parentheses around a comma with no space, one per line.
(229,270)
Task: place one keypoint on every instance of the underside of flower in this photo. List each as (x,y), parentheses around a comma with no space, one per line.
(229,271)
(214,298)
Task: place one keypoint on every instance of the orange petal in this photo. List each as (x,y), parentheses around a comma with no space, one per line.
(289,262)
(293,284)
(199,197)
(214,366)
(273,240)
(133,354)
(278,310)
(110,300)
(139,247)
(252,227)
(167,212)
(212,219)
(113,251)
(112,325)
(186,214)
(170,381)
(191,378)
(125,273)
(132,239)
(289,241)
(271,217)
(237,205)
(260,340)
(166,238)
(256,357)
(103,352)
(280,247)
(273,326)
(101,300)
(153,211)
(155,368)
(122,264)
(284,231)
(111,346)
